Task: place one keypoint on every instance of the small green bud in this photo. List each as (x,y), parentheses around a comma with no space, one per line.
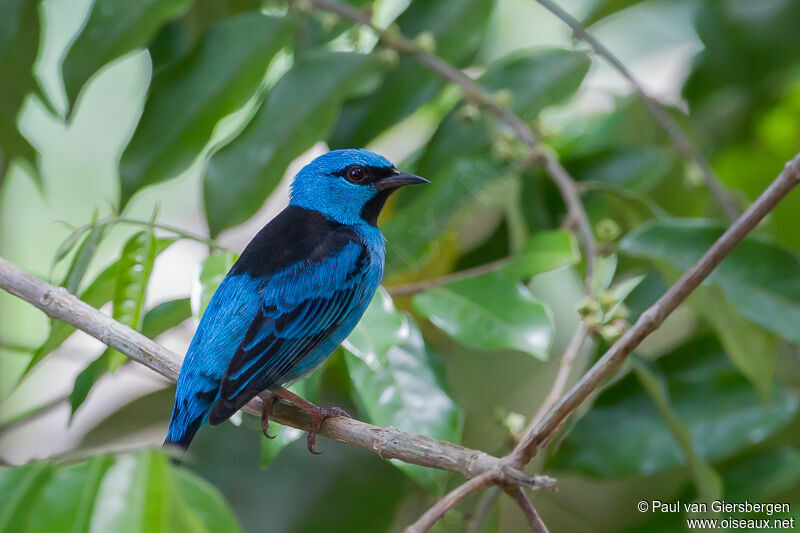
(514,423)
(468,113)
(327,20)
(607,299)
(302,6)
(610,332)
(588,307)
(607,230)
(426,41)
(503,98)
(392,31)
(388,57)
(693,175)
(621,312)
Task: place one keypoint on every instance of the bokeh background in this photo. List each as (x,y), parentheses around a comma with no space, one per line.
(707,409)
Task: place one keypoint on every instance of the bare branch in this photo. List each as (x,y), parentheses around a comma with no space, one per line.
(534,520)
(728,203)
(476,94)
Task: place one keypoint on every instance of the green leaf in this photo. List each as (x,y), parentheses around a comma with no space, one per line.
(545,251)
(131,493)
(166,316)
(206,502)
(177,38)
(394,381)
(86,380)
(298,112)
(489,312)
(759,277)
(114,28)
(457,27)
(19,45)
(307,388)
(83,256)
(212,272)
(154,498)
(134,268)
(707,480)
(188,98)
(66,502)
(19,488)
(143,482)
(601,9)
(762,475)
(600,135)
(632,168)
(753,350)
(722,411)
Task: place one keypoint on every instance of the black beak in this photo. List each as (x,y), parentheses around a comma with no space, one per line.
(395,181)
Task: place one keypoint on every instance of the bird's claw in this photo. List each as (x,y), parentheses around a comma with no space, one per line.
(318,416)
(266,410)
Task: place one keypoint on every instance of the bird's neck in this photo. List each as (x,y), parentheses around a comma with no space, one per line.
(366,228)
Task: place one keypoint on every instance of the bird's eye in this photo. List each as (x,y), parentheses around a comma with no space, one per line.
(355,173)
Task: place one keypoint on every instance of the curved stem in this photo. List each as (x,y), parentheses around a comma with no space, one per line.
(184,234)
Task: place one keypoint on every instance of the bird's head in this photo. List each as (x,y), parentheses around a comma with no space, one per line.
(348,186)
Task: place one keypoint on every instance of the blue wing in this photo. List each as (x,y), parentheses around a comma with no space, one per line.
(303,307)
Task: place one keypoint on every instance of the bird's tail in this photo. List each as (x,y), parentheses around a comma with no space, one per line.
(183,425)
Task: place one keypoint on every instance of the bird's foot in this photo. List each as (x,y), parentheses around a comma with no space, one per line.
(318,414)
(266,410)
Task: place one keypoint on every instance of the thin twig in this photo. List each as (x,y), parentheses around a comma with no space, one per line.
(562,375)
(428,284)
(534,520)
(479,96)
(182,233)
(727,202)
(547,426)
(450,500)
(482,509)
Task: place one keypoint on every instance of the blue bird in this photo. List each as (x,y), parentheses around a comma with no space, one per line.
(298,289)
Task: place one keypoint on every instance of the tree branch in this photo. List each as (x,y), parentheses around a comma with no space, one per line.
(388,442)
(476,94)
(726,201)
(534,520)
(546,427)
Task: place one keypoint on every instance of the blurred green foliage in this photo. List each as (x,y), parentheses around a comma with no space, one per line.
(238,90)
